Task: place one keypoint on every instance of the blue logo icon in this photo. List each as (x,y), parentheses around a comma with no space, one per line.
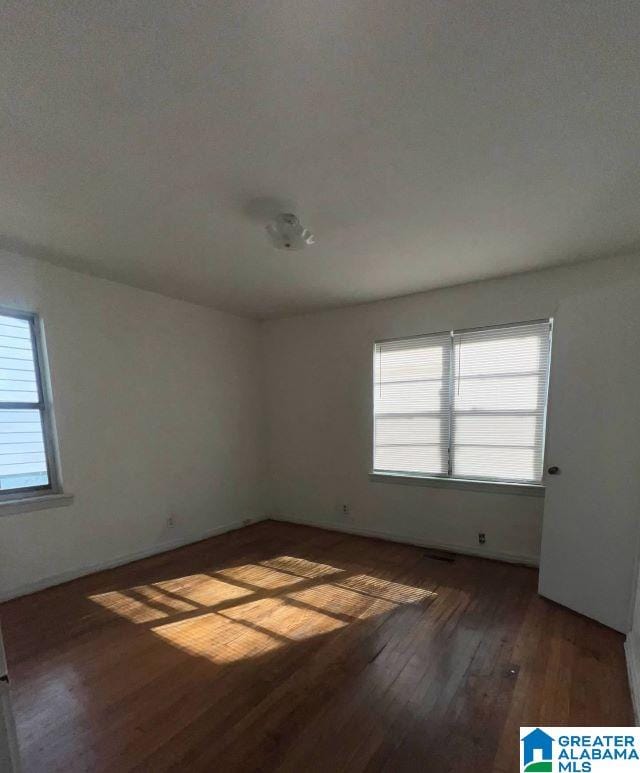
(537,753)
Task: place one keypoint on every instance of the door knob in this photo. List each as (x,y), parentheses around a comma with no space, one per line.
(553,470)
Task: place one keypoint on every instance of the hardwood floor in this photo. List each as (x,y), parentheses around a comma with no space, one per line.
(281,647)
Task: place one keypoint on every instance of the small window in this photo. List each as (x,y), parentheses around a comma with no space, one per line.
(26,455)
(467,405)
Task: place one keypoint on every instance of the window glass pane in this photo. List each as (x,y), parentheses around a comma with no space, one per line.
(514,464)
(469,404)
(402,361)
(407,430)
(424,459)
(411,404)
(497,430)
(499,402)
(399,397)
(523,393)
(22,453)
(494,352)
(17,369)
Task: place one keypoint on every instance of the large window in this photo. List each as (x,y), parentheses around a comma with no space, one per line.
(468,404)
(26,457)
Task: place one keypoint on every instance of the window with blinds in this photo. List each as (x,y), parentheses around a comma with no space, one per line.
(25,461)
(467,404)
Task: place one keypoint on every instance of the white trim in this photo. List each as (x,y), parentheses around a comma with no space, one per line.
(44,404)
(8,728)
(465,484)
(511,558)
(632,655)
(7,720)
(62,577)
(459,330)
(27,504)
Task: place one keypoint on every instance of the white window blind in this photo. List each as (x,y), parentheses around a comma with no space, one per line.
(467,404)
(412,410)
(24,463)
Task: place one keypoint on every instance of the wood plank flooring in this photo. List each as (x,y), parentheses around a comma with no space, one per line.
(282,647)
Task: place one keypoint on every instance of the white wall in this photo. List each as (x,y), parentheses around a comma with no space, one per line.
(158,411)
(320,404)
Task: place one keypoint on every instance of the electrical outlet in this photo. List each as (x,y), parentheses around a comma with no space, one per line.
(171,522)
(482,538)
(346,509)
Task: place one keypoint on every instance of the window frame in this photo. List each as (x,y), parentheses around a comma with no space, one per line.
(43,406)
(447,479)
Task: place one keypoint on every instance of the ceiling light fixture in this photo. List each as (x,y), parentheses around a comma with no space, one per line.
(287,233)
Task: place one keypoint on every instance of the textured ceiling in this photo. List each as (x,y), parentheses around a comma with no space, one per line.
(425,143)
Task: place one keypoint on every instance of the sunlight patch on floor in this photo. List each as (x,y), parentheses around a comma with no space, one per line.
(216,638)
(342,601)
(283,619)
(154,595)
(203,590)
(145,603)
(300,567)
(392,591)
(244,611)
(258,576)
(123,605)
(245,631)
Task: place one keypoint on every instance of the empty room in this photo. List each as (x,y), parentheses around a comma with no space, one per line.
(319,386)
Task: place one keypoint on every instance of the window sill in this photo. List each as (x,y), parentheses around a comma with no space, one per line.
(488,487)
(27,504)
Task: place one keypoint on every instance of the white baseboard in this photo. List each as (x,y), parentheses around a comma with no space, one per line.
(348,528)
(82,571)
(632,654)
(58,579)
